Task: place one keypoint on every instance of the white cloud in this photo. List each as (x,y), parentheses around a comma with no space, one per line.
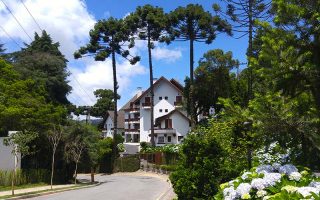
(160,52)
(67,21)
(168,55)
(98,75)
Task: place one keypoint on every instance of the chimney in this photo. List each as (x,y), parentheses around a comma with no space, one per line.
(154,80)
(139,91)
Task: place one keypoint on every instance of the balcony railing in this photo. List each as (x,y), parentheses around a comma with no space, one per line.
(165,131)
(132,130)
(146,104)
(135,119)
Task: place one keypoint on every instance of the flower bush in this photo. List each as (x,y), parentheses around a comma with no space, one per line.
(272,182)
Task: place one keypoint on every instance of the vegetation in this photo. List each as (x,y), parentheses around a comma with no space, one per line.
(149,23)
(192,23)
(269,111)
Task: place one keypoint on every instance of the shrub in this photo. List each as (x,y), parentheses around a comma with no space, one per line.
(197,175)
(272,182)
(25,177)
(127,164)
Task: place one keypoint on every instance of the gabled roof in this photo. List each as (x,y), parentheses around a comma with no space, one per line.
(160,119)
(127,105)
(172,82)
(120,117)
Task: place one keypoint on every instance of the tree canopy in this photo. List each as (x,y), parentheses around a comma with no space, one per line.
(42,61)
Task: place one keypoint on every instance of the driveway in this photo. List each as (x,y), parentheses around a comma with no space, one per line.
(116,187)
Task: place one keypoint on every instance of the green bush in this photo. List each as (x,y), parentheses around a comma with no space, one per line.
(197,175)
(25,177)
(168,167)
(127,164)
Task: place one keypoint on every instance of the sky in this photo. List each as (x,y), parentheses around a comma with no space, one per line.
(69,22)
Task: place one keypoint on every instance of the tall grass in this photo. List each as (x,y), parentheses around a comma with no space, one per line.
(25,177)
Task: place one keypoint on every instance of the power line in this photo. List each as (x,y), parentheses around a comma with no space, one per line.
(10,36)
(16,19)
(82,88)
(31,15)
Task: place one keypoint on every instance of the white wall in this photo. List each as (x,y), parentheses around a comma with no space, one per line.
(108,125)
(6,158)
(163,89)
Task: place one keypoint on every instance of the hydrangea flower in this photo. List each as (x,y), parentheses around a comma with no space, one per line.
(289,188)
(315,184)
(276,166)
(243,188)
(261,193)
(229,193)
(258,183)
(246,196)
(272,178)
(295,176)
(287,169)
(264,169)
(306,191)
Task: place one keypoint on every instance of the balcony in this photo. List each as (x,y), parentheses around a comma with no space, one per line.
(133,120)
(132,131)
(165,131)
(178,104)
(146,105)
(134,110)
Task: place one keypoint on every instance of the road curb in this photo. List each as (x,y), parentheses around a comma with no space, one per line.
(25,196)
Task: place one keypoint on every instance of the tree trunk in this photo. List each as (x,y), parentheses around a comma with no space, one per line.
(75,173)
(92,174)
(52,166)
(115,98)
(151,91)
(191,100)
(250,49)
(14,174)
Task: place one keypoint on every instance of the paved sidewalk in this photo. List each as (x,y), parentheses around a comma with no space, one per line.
(34,189)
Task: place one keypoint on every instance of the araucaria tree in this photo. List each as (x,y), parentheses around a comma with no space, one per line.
(192,23)
(148,23)
(244,13)
(108,38)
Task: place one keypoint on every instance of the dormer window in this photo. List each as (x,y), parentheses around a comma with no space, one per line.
(160,98)
(166,98)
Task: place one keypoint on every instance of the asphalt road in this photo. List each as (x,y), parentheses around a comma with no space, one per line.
(116,188)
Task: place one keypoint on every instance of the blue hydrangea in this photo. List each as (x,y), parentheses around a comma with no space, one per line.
(287,169)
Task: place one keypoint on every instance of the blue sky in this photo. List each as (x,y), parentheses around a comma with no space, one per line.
(69,22)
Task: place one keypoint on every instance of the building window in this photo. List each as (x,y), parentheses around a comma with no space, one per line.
(160,140)
(168,123)
(160,110)
(166,98)
(180,138)
(169,138)
(160,98)
(166,110)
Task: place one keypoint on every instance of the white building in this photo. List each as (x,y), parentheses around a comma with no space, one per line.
(171,123)
(7,159)
(108,124)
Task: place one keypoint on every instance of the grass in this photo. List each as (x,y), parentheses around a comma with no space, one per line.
(8,188)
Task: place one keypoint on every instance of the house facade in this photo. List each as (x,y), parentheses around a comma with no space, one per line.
(109,126)
(171,122)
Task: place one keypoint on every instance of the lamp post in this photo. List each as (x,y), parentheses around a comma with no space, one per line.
(248,127)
